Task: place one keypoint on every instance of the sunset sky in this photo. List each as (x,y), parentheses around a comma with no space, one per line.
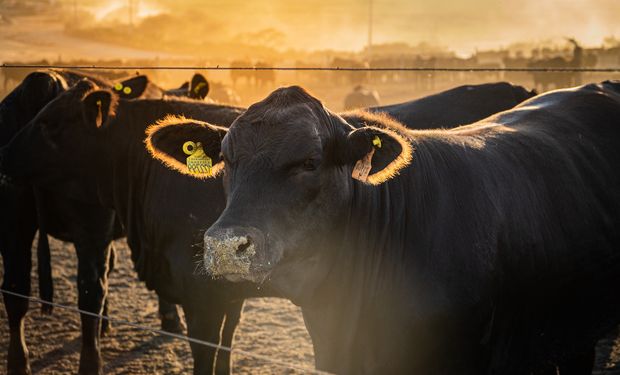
(461,25)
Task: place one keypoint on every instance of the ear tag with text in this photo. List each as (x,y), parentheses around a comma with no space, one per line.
(364,165)
(197,162)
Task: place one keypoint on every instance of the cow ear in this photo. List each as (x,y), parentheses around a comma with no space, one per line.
(199,87)
(97,107)
(376,154)
(132,88)
(187,146)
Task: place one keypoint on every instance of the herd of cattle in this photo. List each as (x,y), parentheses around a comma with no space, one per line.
(413,242)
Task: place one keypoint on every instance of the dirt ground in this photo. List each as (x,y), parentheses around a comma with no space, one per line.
(270,327)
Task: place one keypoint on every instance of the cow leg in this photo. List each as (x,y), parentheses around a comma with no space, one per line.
(18,223)
(169,315)
(581,363)
(223,365)
(205,323)
(17,267)
(93,237)
(106,325)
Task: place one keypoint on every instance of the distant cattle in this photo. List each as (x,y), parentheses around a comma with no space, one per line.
(197,88)
(361,97)
(62,213)
(491,248)
(142,201)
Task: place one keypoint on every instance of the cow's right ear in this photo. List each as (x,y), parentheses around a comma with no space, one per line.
(188,146)
(97,107)
(199,87)
(132,88)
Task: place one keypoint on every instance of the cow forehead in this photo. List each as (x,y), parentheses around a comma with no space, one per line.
(275,125)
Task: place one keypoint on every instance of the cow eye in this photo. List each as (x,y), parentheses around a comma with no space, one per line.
(309,164)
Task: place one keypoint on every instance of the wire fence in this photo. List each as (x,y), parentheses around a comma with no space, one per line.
(264,68)
(317,68)
(169,334)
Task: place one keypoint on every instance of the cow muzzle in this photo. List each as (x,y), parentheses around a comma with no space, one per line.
(236,254)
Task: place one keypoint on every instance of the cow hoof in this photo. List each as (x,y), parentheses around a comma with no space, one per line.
(172,323)
(90,369)
(18,363)
(22,368)
(25,371)
(90,363)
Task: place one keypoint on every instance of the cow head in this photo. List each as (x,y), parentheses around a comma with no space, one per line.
(131,88)
(61,139)
(198,88)
(288,176)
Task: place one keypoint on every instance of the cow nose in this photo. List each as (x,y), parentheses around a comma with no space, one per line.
(241,249)
(228,252)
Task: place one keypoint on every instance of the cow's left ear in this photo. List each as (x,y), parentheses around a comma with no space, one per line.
(97,107)
(377,154)
(199,87)
(187,146)
(131,88)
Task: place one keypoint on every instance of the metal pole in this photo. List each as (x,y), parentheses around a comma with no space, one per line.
(369,46)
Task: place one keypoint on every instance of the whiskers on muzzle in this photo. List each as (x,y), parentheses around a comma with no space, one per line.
(198,251)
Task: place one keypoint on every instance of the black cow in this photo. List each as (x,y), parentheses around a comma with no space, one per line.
(492,248)
(111,152)
(90,227)
(466,104)
(128,200)
(198,88)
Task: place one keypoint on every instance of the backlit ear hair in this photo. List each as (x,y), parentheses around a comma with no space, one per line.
(188,146)
(402,159)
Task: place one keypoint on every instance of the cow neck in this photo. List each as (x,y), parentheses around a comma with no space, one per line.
(381,259)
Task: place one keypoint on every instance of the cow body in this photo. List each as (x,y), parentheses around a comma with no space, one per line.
(458,106)
(68,212)
(159,231)
(489,248)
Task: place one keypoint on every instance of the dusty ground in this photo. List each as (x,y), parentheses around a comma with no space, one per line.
(270,327)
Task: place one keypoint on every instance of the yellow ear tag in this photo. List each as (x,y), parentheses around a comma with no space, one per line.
(198,87)
(376,141)
(99,103)
(118,86)
(197,162)
(127,90)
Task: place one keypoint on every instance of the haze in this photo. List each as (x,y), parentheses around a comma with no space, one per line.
(462,26)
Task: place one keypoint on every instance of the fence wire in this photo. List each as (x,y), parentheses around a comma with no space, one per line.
(318,68)
(169,334)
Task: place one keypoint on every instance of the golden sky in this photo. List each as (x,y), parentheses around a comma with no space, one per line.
(461,25)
